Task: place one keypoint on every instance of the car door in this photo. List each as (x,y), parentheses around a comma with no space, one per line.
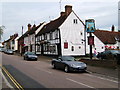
(59,60)
(62,63)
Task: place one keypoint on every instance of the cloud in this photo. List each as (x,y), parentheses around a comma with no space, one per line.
(18,14)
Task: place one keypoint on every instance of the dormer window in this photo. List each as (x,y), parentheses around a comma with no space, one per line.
(75,21)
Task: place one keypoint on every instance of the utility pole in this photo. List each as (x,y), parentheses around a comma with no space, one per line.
(22,30)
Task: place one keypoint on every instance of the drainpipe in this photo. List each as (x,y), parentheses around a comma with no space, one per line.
(35,43)
(85,38)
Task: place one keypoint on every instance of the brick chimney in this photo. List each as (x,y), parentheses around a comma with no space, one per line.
(68,9)
(34,26)
(113,28)
(29,27)
(62,13)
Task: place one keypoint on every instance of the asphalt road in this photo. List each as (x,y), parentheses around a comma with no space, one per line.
(40,74)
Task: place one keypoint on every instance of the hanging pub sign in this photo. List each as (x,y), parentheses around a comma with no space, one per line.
(65,45)
(91,40)
(90,25)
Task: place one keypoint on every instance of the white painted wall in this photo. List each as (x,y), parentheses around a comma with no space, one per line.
(98,45)
(26,41)
(16,44)
(32,39)
(71,33)
(29,39)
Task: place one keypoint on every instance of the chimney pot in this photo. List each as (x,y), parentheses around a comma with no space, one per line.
(34,25)
(62,13)
(29,27)
(113,28)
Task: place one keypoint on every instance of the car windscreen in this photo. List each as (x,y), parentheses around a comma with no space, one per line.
(68,58)
(31,53)
(115,51)
(9,50)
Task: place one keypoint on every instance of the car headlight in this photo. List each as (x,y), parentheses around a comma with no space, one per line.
(85,65)
(73,65)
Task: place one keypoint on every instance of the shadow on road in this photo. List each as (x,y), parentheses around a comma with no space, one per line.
(71,72)
(25,81)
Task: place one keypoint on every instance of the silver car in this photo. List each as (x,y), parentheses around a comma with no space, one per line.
(30,56)
(9,51)
(68,63)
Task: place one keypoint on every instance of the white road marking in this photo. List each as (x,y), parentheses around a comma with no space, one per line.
(44,70)
(80,83)
(102,78)
(103,75)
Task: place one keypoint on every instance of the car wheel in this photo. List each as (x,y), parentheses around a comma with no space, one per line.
(24,58)
(66,69)
(54,66)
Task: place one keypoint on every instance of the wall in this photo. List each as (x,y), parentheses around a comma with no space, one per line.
(100,47)
(26,41)
(71,33)
(101,63)
(16,44)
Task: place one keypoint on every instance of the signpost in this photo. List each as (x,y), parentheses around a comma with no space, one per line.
(90,28)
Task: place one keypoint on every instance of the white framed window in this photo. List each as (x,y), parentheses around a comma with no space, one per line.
(51,35)
(56,34)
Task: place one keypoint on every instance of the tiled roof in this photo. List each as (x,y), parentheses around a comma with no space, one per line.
(14,36)
(32,31)
(34,28)
(53,25)
(107,37)
(7,40)
(11,38)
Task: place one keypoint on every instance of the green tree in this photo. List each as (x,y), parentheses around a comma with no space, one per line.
(1,31)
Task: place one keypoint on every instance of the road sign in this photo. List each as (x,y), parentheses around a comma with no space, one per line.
(90,25)
(91,40)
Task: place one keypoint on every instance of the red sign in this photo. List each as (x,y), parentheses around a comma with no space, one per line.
(23,44)
(65,45)
(91,40)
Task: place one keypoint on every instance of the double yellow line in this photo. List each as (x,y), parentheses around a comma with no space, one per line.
(18,86)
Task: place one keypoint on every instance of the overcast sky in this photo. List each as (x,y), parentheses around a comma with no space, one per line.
(14,15)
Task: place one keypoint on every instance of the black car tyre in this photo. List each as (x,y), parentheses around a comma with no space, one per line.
(54,66)
(26,58)
(66,69)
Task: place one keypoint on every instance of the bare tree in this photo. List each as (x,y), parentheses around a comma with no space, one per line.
(1,31)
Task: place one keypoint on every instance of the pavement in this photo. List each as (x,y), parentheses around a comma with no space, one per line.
(4,84)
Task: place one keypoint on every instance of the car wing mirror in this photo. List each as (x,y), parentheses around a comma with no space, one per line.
(59,59)
(110,53)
